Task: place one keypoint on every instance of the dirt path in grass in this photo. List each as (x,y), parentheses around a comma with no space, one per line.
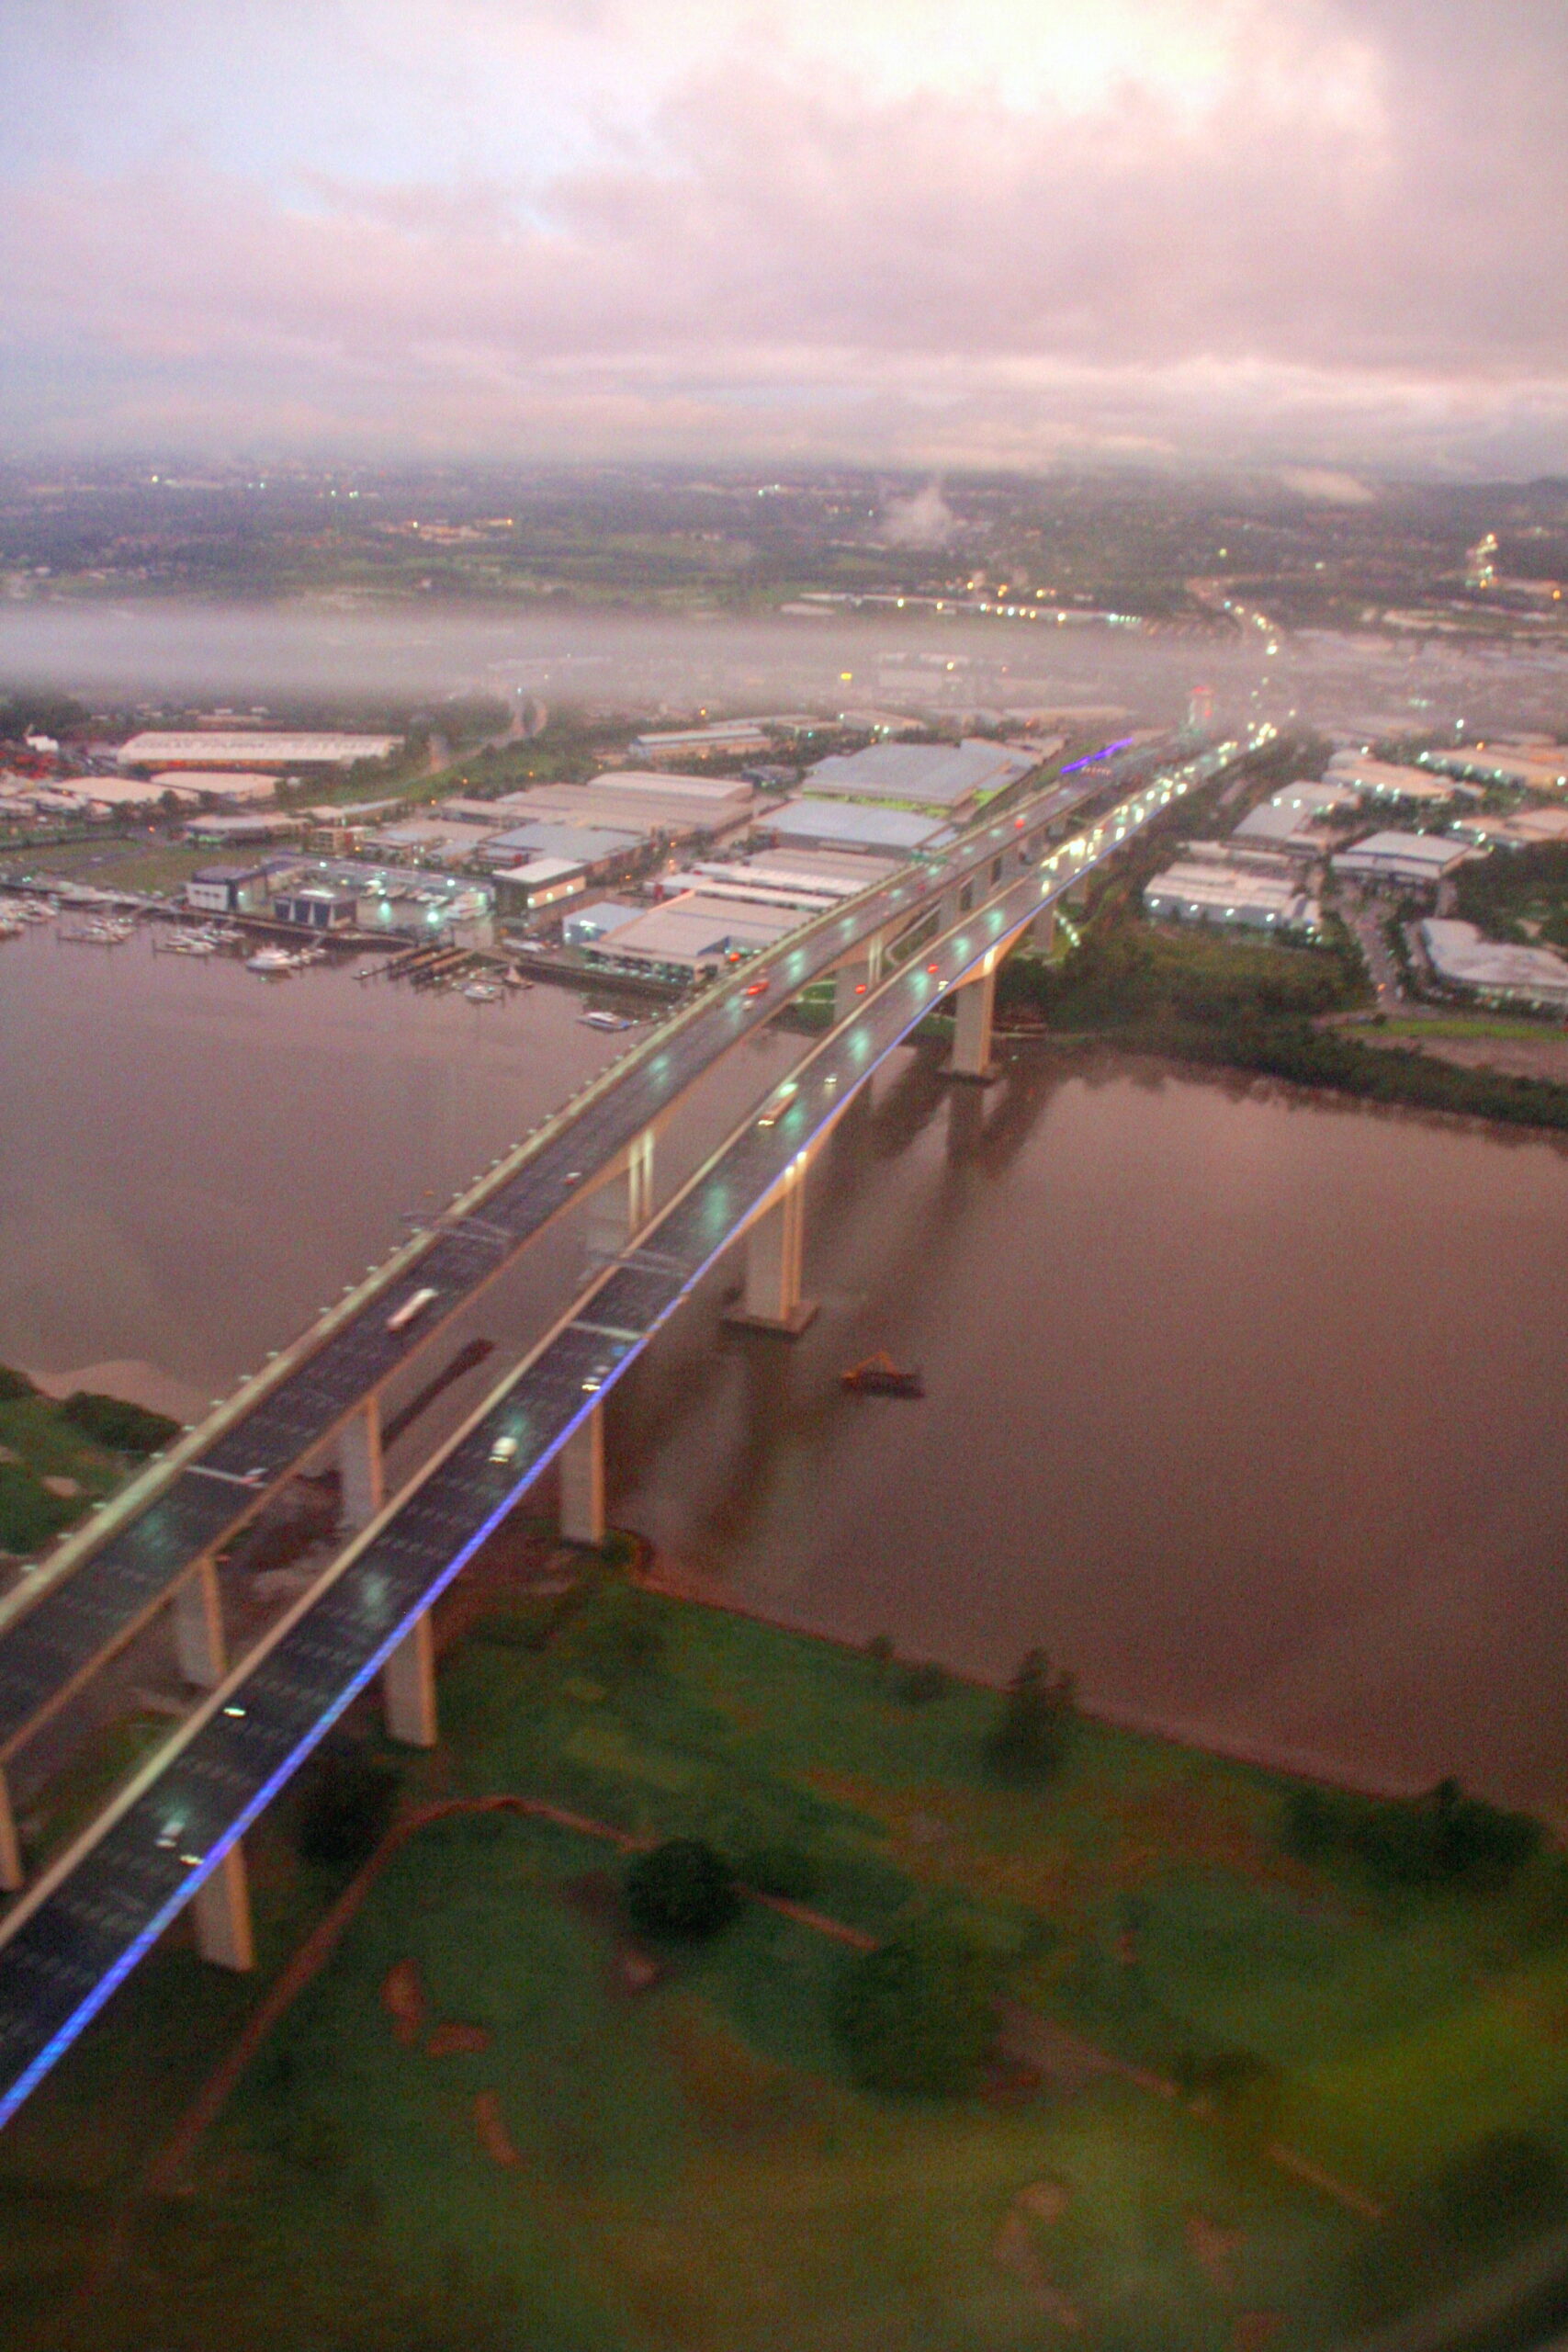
(1063,2059)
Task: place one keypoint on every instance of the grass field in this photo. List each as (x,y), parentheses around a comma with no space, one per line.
(50,1473)
(136,864)
(485,2124)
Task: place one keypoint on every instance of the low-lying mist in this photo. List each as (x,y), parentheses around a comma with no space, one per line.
(143,656)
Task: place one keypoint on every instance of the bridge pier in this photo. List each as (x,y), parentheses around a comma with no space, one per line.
(199,1645)
(407,1686)
(582,1466)
(221,1908)
(360,1467)
(1043,931)
(776,1251)
(973,1006)
(622,1204)
(12,1873)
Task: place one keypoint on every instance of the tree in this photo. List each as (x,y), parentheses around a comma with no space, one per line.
(917,2015)
(682,1890)
(125,1428)
(1029,1741)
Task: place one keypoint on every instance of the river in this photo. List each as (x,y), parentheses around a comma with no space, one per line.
(1247,1405)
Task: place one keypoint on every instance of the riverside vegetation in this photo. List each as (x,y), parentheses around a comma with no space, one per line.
(1194,996)
(57,1459)
(1051,2030)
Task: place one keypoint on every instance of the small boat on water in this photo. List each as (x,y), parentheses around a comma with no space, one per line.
(270,961)
(878,1375)
(482,992)
(605,1021)
(512,979)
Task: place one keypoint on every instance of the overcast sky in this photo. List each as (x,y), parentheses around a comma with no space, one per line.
(925,231)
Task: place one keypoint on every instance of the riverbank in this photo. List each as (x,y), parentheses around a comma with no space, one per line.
(495,2106)
(1270,1009)
(59,1457)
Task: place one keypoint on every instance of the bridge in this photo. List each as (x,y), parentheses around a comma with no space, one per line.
(172,1834)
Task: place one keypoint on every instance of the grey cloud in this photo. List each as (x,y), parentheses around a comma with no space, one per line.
(782,262)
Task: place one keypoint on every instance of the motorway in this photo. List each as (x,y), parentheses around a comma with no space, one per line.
(107,1580)
(73,1936)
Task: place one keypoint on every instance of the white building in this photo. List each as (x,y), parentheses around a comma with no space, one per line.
(954,776)
(1239,898)
(1496,972)
(1417,860)
(1536,768)
(1384,781)
(1283,822)
(250,748)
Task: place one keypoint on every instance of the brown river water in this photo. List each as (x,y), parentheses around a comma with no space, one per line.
(1248,1406)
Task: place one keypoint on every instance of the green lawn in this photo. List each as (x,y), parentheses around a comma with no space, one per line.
(37,1444)
(140,865)
(688,2164)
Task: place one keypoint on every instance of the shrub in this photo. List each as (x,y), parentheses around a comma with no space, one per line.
(30,1514)
(917,2015)
(1443,1840)
(682,1890)
(919,1685)
(125,1428)
(1029,1740)
(881,1652)
(347,1812)
(14,1386)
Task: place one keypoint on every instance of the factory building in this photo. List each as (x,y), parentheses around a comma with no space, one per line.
(1283,823)
(601,852)
(317,906)
(1404,861)
(692,937)
(1238,898)
(586,926)
(955,777)
(229,889)
(849,825)
(1492,970)
(1535,767)
(540,882)
(207,750)
(1383,780)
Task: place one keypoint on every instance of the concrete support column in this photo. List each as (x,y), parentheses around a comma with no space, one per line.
(621,1206)
(222,1910)
(408,1687)
(581,1462)
(12,1874)
(199,1647)
(974,1005)
(359,1465)
(1041,933)
(853,981)
(776,1251)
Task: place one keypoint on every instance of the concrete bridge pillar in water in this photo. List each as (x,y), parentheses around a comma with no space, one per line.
(771,1298)
(974,1007)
